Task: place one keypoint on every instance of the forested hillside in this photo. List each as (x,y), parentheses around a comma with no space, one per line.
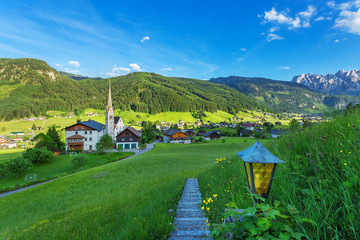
(30,86)
(284,96)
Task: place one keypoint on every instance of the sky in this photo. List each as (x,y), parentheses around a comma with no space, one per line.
(193,39)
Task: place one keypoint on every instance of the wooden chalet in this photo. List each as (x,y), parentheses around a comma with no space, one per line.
(188,132)
(201,132)
(175,136)
(212,135)
(129,138)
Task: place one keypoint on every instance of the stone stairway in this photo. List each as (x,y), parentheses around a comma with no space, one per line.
(190,221)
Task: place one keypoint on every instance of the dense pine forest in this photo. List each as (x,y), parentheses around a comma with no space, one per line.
(30,86)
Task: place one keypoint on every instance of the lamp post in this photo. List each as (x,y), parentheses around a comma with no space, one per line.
(260,165)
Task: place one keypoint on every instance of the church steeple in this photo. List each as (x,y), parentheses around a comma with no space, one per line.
(109,116)
(109,98)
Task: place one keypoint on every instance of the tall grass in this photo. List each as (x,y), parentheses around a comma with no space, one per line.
(321,177)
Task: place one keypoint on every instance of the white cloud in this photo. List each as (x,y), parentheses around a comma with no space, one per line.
(145,39)
(309,12)
(273,36)
(284,67)
(112,74)
(74,63)
(58,65)
(336,40)
(301,19)
(349,18)
(331,4)
(120,69)
(167,69)
(243,49)
(321,18)
(135,67)
(274,29)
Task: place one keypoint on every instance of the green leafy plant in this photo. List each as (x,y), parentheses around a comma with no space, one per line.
(38,155)
(79,160)
(105,142)
(262,221)
(18,165)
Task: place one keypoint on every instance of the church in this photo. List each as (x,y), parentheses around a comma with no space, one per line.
(84,135)
(113,125)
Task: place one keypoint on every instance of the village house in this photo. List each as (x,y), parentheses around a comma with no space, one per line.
(129,138)
(83,135)
(246,133)
(17,133)
(17,139)
(188,132)
(212,135)
(175,136)
(201,132)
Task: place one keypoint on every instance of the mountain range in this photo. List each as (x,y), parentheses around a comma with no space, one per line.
(340,83)
(31,86)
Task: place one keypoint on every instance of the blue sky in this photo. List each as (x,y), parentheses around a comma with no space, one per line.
(196,39)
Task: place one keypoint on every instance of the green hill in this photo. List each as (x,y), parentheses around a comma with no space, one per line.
(283,96)
(30,86)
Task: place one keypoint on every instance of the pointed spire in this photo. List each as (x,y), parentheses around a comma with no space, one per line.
(109,98)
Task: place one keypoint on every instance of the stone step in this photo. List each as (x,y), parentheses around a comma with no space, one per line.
(190,221)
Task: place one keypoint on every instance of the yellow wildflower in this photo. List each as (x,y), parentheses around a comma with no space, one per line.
(208,209)
(345,164)
(215,195)
(349,152)
(202,207)
(341,151)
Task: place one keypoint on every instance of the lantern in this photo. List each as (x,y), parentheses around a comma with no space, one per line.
(260,165)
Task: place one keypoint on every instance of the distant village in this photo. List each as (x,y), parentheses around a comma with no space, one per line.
(84,135)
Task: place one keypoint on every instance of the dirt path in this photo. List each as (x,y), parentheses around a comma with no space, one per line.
(149,147)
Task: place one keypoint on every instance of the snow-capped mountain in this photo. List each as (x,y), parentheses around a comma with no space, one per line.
(340,83)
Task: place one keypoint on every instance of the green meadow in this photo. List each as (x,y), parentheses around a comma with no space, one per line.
(128,199)
(60,166)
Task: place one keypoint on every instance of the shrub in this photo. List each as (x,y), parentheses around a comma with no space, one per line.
(105,142)
(260,222)
(79,160)
(38,155)
(3,170)
(18,165)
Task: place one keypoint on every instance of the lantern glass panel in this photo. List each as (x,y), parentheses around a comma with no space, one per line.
(248,175)
(262,175)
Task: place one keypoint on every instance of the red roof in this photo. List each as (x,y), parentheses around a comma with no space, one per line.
(76,136)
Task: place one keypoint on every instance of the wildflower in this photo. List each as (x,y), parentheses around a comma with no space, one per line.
(308,154)
(203,201)
(320,154)
(202,207)
(207,221)
(208,209)
(349,152)
(345,164)
(215,195)
(341,151)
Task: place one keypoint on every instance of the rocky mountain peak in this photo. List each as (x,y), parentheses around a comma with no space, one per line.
(342,82)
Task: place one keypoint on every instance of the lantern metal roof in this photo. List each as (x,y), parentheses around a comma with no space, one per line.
(257,153)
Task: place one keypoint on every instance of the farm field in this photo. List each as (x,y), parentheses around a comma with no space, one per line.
(127,199)
(60,166)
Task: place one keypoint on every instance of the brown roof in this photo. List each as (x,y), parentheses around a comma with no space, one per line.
(76,136)
(131,129)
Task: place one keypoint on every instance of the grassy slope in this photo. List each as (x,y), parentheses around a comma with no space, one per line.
(130,202)
(60,166)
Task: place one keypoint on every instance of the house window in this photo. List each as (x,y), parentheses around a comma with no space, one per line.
(85,132)
(90,132)
(76,128)
(85,139)
(90,139)
(82,127)
(123,139)
(131,139)
(76,132)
